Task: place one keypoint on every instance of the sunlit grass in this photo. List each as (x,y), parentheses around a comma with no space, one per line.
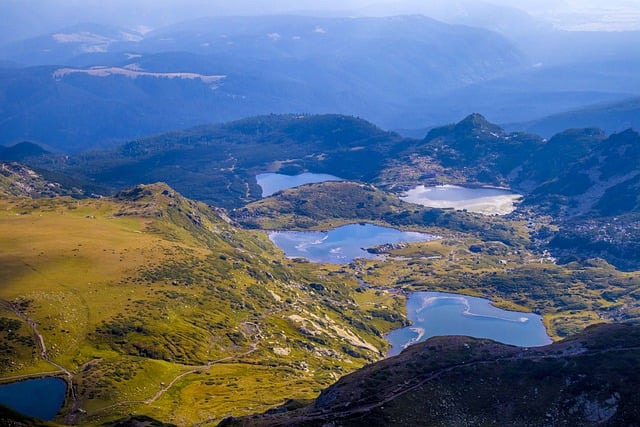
(129,296)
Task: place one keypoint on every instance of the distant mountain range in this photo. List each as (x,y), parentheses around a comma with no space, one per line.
(97,85)
(368,67)
(611,117)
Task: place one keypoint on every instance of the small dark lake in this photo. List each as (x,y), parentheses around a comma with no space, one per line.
(41,398)
(439,314)
(343,244)
(274,182)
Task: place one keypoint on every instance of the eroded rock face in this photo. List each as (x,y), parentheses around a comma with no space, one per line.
(594,409)
(19,180)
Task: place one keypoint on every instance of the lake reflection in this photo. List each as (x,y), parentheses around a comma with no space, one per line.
(343,244)
(274,182)
(488,201)
(440,314)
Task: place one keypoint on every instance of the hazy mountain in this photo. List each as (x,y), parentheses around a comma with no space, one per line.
(60,47)
(25,18)
(237,67)
(538,91)
(601,182)
(611,117)
(21,151)
(399,72)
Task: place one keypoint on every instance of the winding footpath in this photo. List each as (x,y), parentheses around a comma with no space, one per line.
(252,348)
(42,349)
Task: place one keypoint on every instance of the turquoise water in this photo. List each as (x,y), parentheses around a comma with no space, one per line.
(343,244)
(274,182)
(438,314)
(41,398)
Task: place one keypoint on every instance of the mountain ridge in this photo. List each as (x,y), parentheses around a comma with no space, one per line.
(612,117)
(432,379)
(151,288)
(270,64)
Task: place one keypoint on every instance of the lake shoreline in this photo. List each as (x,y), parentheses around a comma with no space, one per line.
(446,319)
(343,244)
(484,200)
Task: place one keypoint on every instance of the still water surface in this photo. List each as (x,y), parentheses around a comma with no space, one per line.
(438,314)
(488,201)
(41,398)
(343,244)
(274,182)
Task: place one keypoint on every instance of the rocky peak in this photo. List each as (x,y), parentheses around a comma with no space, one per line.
(21,151)
(146,191)
(478,124)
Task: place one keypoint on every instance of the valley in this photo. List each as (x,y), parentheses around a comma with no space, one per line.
(163,306)
(146,304)
(319,214)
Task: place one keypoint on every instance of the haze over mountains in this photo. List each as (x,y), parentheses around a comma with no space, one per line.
(403,72)
(140,257)
(264,65)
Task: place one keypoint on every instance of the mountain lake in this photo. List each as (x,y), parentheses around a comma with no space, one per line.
(274,182)
(438,314)
(484,200)
(343,244)
(41,398)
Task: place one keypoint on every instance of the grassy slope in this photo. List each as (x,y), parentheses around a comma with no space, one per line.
(569,297)
(583,380)
(131,292)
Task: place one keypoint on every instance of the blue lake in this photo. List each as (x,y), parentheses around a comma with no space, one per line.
(41,398)
(343,244)
(438,314)
(274,182)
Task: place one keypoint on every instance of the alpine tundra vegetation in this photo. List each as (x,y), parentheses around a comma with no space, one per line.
(154,273)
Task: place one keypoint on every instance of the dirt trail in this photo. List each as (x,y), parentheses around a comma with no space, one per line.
(252,348)
(42,349)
